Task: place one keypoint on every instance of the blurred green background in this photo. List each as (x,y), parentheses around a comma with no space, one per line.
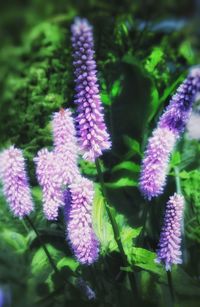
(143,51)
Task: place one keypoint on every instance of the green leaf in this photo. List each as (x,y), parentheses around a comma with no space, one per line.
(40,264)
(175,159)
(17,241)
(184,175)
(128,165)
(37,193)
(146,260)
(121,183)
(154,103)
(116,88)
(132,144)
(105,98)
(103,228)
(169,89)
(88,168)
(154,59)
(187,52)
(68,262)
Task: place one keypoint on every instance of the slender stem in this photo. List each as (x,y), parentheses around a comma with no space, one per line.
(144,219)
(43,245)
(170,284)
(115,228)
(25,226)
(177,178)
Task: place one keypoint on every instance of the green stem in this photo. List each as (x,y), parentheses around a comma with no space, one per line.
(25,226)
(115,228)
(170,284)
(144,220)
(177,179)
(43,245)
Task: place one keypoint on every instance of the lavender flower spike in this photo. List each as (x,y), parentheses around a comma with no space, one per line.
(48,173)
(170,126)
(65,144)
(155,162)
(78,209)
(169,247)
(15,182)
(178,111)
(93,135)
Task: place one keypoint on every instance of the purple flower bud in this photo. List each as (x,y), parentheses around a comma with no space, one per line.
(92,131)
(15,182)
(65,144)
(78,212)
(48,170)
(170,126)
(155,162)
(169,247)
(85,288)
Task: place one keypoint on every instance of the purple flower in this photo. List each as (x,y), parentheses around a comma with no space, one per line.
(155,162)
(65,144)
(15,182)
(48,170)
(169,247)
(178,111)
(78,212)
(92,131)
(170,126)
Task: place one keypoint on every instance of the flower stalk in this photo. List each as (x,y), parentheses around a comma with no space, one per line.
(116,232)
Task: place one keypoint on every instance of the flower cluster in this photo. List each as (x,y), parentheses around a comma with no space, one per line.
(177,112)
(58,168)
(155,163)
(48,171)
(169,249)
(65,144)
(78,211)
(92,131)
(15,182)
(170,126)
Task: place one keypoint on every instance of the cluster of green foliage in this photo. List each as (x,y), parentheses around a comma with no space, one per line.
(143,51)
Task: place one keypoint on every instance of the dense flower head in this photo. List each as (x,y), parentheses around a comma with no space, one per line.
(178,111)
(48,170)
(65,144)
(92,131)
(15,182)
(78,212)
(170,126)
(169,247)
(155,162)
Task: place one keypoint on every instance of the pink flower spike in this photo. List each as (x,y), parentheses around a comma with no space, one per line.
(15,182)
(48,174)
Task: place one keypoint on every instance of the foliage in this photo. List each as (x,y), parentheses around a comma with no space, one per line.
(143,51)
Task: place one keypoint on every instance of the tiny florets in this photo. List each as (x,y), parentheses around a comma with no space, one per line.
(92,131)
(169,247)
(15,182)
(48,170)
(65,144)
(155,162)
(78,212)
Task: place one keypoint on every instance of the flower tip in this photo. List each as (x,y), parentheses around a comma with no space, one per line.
(195,71)
(79,25)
